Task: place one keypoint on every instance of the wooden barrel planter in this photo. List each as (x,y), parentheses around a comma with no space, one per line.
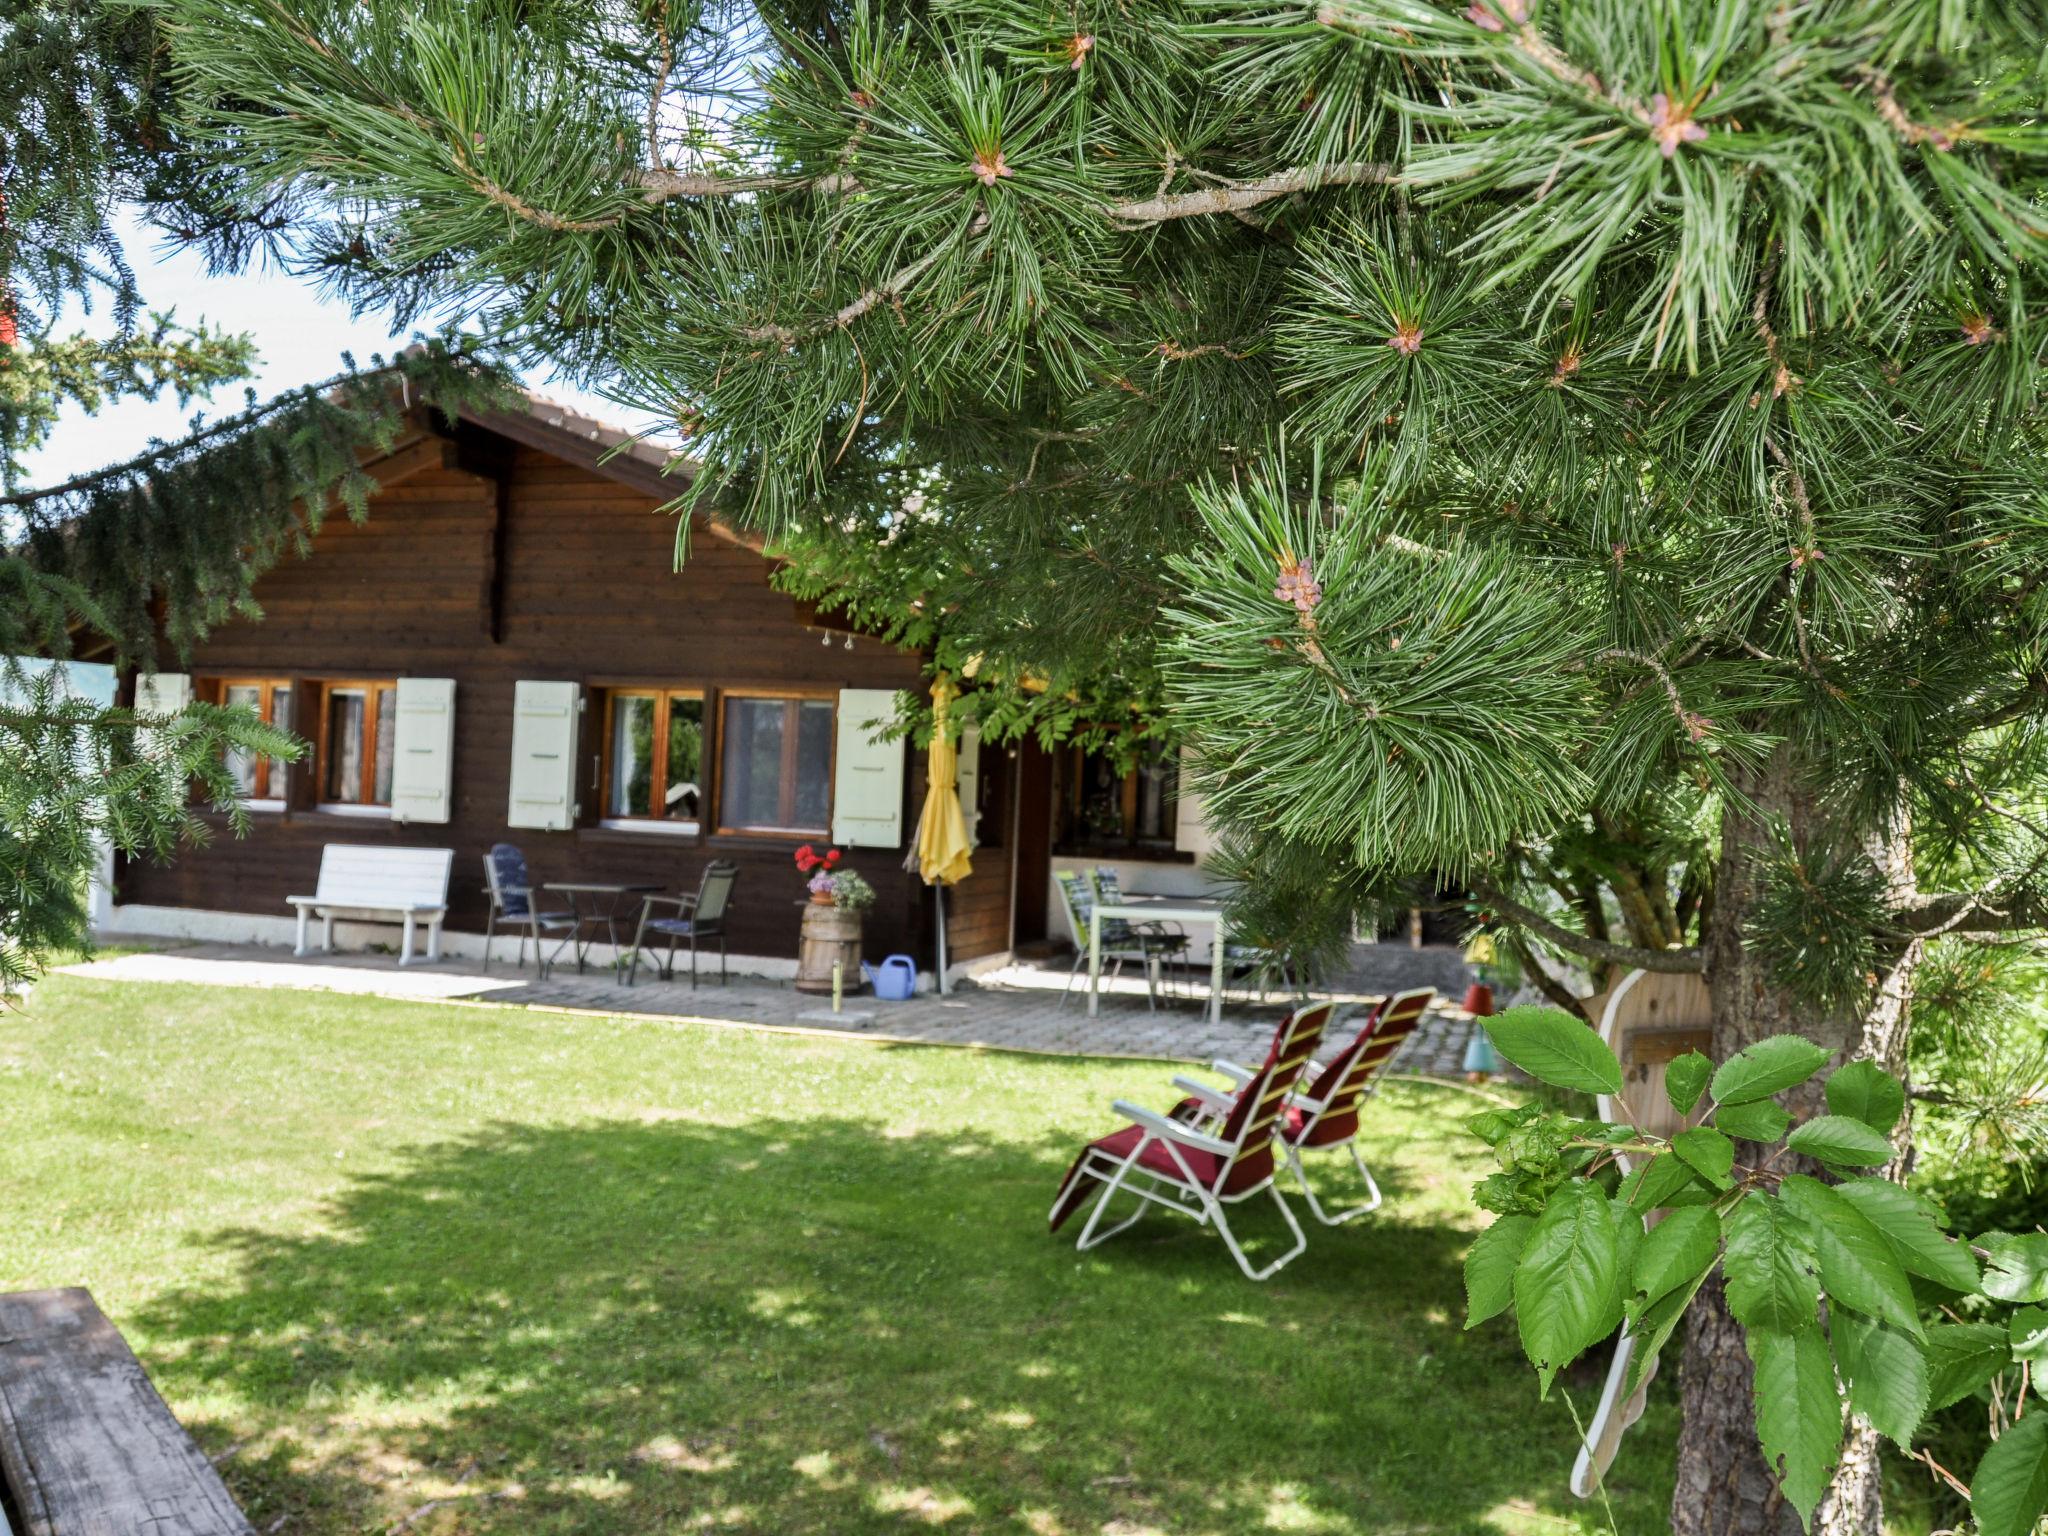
(829,934)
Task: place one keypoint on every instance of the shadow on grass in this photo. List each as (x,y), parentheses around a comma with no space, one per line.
(820,1327)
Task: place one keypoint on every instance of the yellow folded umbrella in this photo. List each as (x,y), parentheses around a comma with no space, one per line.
(942,857)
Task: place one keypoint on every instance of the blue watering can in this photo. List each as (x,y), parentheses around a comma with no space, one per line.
(895,978)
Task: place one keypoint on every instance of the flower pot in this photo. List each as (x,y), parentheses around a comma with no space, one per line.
(821,898)
(829,933)
(1479,1000)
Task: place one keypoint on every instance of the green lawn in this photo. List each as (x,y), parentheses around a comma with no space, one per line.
(576,1274)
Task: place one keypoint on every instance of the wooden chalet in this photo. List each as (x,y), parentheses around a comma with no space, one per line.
(505,652)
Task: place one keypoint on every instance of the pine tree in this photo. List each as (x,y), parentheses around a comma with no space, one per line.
(1591,447)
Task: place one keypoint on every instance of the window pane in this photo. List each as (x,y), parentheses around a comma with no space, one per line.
(685,762)
(1158,787)
(754,730)
(1100,800)
(242,765)
(814,764)
(281,717)
(344,776)
(387,734)
(632,754)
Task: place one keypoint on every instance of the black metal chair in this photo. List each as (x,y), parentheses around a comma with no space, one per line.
(698,916)
(511,893)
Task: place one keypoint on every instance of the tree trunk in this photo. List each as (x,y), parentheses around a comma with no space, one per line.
(1724,1487)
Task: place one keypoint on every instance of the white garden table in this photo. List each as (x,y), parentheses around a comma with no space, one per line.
(1161,909)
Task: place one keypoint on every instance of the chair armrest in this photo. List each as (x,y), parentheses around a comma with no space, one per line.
(1231,1070)
(1305,1104)
(680,903)
(1170,1130)
(300,901)
(1216,1103)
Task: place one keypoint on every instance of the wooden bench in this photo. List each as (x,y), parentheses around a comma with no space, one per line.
(87,1447)
(401,885)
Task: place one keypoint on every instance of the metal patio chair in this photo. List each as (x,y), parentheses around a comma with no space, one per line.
(1120,942)
(1166,1162)
(1170,939)
(1326,1113)
(700,915)
(514,901)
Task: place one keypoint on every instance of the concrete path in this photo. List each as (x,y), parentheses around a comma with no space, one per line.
(1017,1008)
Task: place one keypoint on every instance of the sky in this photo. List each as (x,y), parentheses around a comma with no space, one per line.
(300,337)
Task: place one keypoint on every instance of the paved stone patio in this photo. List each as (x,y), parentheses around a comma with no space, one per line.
(1016,1008)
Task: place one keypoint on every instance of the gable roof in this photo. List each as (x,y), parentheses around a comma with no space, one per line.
(603,449)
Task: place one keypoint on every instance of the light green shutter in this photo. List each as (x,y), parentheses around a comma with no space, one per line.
(969,779)
(544,755)
(867,775)
(423,750)
(165,693)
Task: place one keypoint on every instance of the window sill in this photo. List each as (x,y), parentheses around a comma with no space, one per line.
(634,826)
(749,838)
(1130,853)
(362,812)
(620,836)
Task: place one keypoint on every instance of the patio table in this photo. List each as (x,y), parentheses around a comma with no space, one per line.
(1161,909)
(610,895)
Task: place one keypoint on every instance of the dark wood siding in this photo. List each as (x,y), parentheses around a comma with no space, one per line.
(574,574)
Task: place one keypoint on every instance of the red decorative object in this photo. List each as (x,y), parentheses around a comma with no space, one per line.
(809,860)
(1479,1000)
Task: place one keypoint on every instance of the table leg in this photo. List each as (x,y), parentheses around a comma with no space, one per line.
(1094,962)
(568,941)
(1216,975)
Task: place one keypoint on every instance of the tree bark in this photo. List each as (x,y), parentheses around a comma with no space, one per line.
(1724,1488)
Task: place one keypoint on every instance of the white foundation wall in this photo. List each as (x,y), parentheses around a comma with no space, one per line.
(196,926)
(128,920)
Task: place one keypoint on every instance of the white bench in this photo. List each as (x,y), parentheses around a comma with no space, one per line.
(406,885)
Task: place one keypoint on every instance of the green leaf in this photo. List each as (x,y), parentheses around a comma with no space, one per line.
(1553,1047)
(1772,1273)
(1686,1079)
(1759,1120)
(1653,1329)
(1768,1067)
(1568,1285)
(2018,1268)
(2029,1332)
(1660,1182)
(2009,1494)
(1887,1373)
(1865,1091)
(1961,1357)
(1912,1225)
(1798,1411)
(1676,1251)
(1708,1153)
(1490,1267)
(1857,1268)
(1841,1140)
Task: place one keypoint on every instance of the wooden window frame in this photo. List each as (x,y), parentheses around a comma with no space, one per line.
(794,698)
(370,687)
(266,708)
(663,694)
(1075,842)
